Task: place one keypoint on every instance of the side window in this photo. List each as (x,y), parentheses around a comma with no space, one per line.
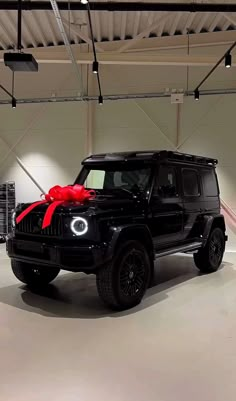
(191,183)
(210,184)
(165,185)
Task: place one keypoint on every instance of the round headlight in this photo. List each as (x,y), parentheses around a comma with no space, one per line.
(79,226)
(13,219)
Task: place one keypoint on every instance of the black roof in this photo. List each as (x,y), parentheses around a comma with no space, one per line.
(151,155)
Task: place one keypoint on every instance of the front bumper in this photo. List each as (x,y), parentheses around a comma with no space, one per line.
(73,258)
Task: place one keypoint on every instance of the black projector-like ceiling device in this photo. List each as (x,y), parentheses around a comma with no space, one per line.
(20,62)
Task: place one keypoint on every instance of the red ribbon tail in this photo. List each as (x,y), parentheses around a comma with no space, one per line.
(28,210)
(49,213)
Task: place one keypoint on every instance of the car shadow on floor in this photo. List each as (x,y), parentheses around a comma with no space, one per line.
(74,295)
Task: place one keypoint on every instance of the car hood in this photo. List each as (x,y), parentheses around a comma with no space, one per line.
(99,205)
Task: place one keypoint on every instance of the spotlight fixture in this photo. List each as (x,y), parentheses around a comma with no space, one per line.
(100,100)
(84,1)
(228,60)
(13,103)
(196,94)
(95,67)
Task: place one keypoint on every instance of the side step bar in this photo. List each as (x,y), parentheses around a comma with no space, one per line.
(183,249)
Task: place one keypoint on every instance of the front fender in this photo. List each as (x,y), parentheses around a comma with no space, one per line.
(139,232)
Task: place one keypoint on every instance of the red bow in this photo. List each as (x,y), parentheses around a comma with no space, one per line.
(56,196)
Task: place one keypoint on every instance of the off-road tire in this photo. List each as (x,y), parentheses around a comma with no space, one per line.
(123,282)
(209,258)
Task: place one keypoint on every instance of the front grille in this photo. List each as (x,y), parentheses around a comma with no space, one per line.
(32,224)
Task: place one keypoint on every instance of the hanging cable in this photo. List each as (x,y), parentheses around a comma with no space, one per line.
(187,78)
(13,83)
(69,15)
(19,26)
(225,55)
(13,99)
(95,62)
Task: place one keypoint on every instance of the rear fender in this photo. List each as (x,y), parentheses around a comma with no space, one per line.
(211,222)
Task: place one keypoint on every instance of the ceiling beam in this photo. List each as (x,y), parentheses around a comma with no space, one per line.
(148,59)
(123,6)
(111,97)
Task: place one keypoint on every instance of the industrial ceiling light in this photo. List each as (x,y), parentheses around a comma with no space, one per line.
(95,67)
(228,60)
(84,1)
(13,102)
(100,100)
(196,94)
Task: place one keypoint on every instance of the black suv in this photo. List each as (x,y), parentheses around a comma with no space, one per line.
(148,204)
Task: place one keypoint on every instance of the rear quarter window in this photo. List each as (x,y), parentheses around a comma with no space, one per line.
(210,184)
(190,182)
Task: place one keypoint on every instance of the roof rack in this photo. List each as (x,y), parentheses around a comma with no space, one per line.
(150,154)
(185,157)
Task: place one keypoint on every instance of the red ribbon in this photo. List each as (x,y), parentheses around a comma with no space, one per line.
(56,196)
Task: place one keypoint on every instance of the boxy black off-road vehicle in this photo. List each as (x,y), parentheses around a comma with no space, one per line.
(148,204)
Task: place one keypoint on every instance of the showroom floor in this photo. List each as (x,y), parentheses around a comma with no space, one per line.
(179,345)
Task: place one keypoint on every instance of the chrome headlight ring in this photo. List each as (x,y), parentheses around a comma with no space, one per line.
(79,226)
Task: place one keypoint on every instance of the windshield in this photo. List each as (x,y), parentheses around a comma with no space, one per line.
(127,180)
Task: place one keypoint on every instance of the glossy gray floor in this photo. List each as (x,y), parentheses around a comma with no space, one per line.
(63,345)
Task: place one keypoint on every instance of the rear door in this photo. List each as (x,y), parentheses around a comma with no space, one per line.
(166,222)
(193,201)
(211,190)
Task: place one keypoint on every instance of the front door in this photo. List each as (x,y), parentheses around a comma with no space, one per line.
(166,206)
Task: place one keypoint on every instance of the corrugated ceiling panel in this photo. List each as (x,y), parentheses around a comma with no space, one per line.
(40,27)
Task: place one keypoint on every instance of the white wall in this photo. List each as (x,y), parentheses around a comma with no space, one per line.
(51,149)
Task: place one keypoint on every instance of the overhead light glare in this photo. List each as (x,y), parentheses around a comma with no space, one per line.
(228,60)
(84,1)
(95,67)
(196,94)
(100,100)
